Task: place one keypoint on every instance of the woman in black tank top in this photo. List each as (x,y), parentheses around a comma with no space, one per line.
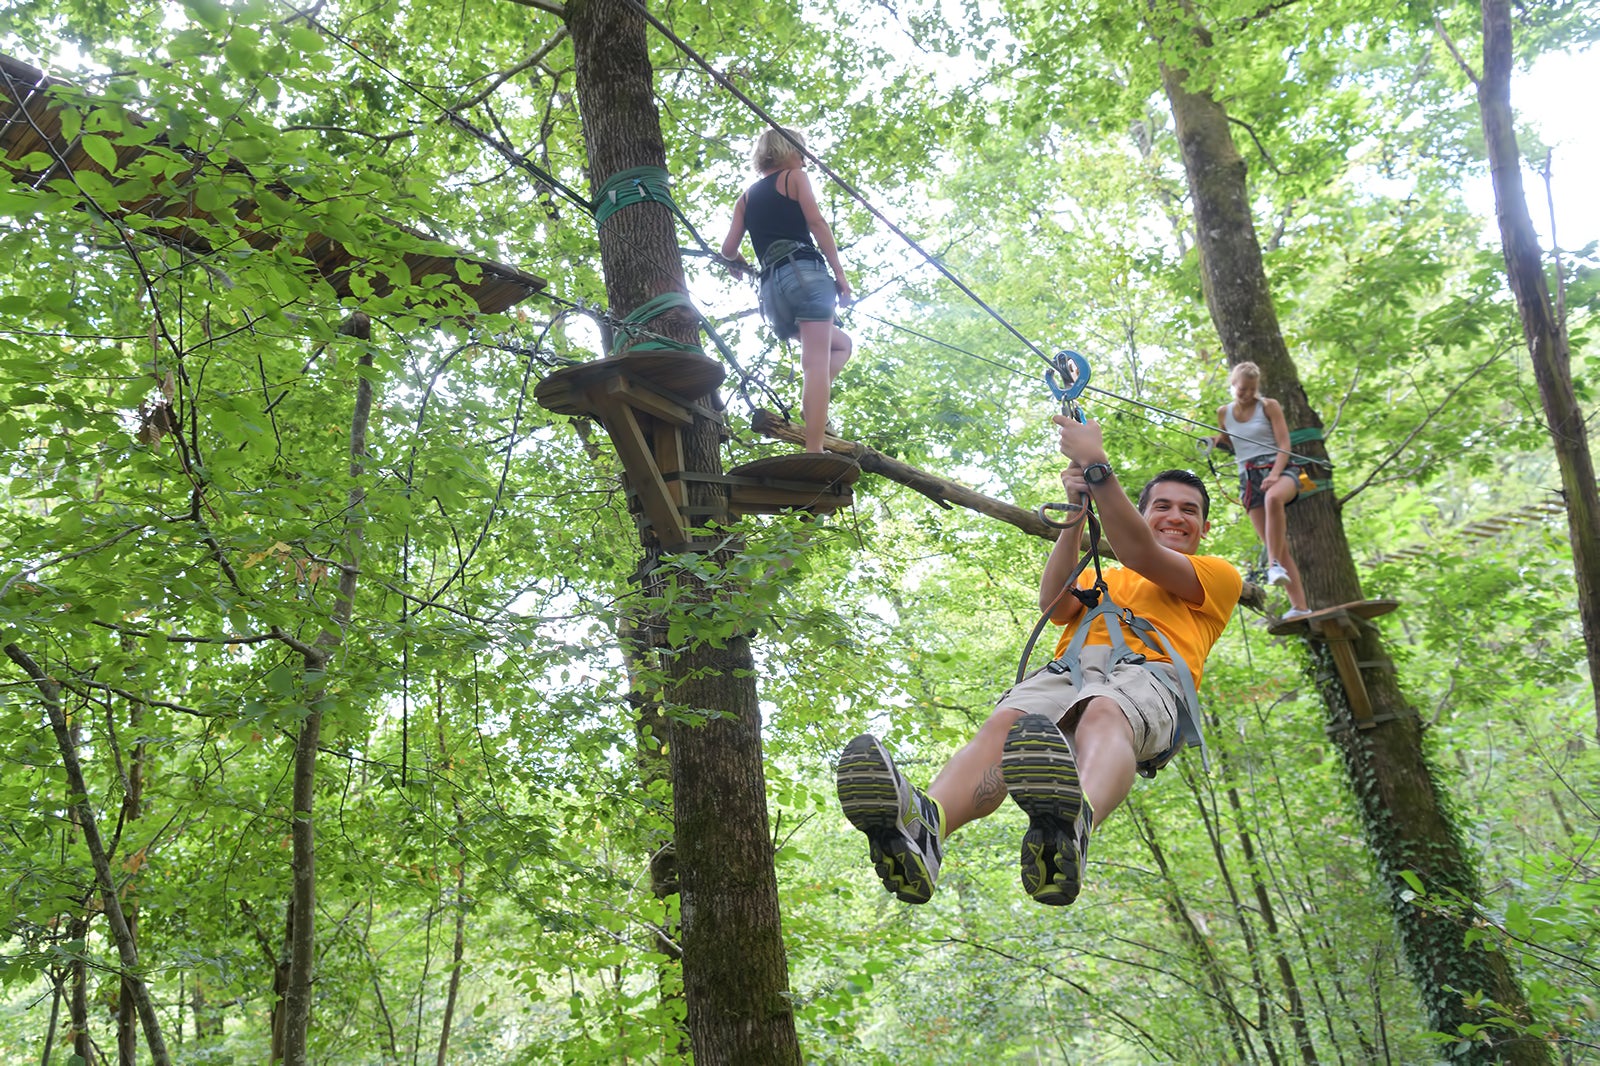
(798,296)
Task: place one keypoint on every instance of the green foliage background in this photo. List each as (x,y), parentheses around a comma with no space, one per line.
(480,747)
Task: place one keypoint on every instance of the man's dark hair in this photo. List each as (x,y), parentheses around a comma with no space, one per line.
(1182,477)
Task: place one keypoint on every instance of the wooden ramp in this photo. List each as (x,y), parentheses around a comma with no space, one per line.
(36,153)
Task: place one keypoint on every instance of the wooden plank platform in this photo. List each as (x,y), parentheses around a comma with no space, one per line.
(1338,627)
(807,481)
(1282,627)
(667,385)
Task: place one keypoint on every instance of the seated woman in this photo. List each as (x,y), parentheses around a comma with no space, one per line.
(1267,480)
(798,296)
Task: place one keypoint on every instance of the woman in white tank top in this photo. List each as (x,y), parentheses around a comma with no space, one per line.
(1268,481)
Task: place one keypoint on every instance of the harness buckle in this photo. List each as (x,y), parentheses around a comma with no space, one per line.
(1057,666)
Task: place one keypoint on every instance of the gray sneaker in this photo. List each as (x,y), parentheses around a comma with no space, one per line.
(1042,776)
(901,822)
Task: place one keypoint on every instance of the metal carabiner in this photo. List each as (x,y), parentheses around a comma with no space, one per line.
(1074,371)
(1073,509)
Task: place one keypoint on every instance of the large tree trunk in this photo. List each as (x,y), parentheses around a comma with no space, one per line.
(1408,825)
(1545,334)
(735,973)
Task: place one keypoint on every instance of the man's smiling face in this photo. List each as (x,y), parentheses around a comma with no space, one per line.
(1175,514)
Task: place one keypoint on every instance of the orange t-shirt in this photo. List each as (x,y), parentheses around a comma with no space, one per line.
(1191,627)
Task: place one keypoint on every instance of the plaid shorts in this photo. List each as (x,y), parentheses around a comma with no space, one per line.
(1250,492)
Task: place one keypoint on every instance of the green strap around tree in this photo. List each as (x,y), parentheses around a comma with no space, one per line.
(1302,436)
(633,326)
(638,185)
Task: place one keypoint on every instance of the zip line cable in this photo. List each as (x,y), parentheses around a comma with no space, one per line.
(1107,393)
(761,112)
(766,117)
(522,161)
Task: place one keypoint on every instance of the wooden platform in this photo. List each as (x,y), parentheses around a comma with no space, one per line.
(667,385)
(1311,623)
(807,481)
(1339,627)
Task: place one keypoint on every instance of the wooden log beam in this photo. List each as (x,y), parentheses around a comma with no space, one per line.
(941,491)
(945,492)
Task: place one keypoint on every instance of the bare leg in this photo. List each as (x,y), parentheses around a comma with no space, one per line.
(970,787)
(841,347)
(1102,744)
(815,360)
(1271,526)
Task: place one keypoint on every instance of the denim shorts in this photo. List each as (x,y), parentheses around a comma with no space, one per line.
(1150,707)
(800,290)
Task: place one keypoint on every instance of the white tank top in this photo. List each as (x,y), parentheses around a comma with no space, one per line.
(1252,438)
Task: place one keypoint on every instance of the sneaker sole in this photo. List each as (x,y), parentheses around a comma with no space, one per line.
(1042,776)
(869,792)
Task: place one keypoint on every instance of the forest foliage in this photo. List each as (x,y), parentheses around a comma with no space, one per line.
(178,511)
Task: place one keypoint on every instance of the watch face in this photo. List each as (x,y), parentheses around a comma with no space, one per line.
(1096,473)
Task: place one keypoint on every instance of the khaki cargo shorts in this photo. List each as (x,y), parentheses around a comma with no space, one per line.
(1150,707)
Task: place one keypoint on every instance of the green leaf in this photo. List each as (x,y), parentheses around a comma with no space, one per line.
(100,150)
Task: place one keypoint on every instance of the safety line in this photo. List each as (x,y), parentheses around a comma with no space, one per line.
(520,159)
(761,112)
(721,80)
(1108,394)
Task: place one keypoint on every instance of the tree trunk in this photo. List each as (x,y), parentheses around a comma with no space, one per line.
(302,937)
(1545,333)
(127,1018)
(1217,977)
(83,816)
(654,766)
(1291,987)
(735,973)
(1266,1019)
(1408,826)
(458,947)
(78,996)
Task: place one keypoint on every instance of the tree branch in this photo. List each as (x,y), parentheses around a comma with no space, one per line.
(1257,141)
(83,810)
(549,8)
(1438,27)
(500,79)
(1401,447)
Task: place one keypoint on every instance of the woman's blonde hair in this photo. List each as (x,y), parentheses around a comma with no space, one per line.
(1245,369)
(775,147)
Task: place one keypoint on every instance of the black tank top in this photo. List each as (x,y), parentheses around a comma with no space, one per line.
(771,216)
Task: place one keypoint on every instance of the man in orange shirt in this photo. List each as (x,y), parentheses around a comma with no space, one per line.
(1066,750)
